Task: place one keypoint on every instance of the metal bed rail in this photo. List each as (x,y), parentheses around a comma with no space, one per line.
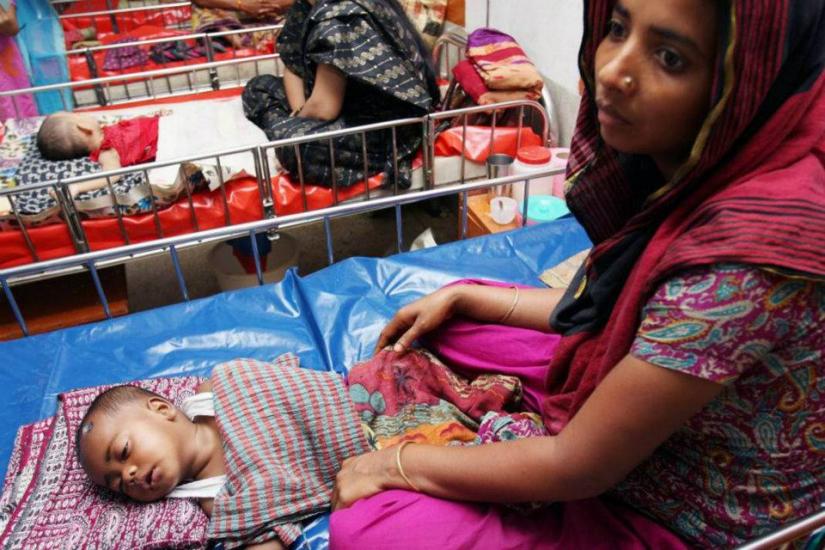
(92,261)
(391,195)
(158,83)
(72,215)
(116,16)
(448,50)
(204,41)
(789,533)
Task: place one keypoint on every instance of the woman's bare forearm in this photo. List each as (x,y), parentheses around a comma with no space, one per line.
(294,88)
(516,471)
(530,308)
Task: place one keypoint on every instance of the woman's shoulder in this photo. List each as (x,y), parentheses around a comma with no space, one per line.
(719,320)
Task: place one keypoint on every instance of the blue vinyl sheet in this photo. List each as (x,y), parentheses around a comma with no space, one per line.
(330,319)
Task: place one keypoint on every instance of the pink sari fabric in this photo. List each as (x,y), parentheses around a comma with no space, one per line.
(404,519)
(471,348)
(13,76)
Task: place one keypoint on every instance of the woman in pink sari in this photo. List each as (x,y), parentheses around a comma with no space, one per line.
(12,69)
(685,392)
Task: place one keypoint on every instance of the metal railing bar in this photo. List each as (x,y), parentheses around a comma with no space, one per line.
(192,36)
(173,253)
(118,11)
(280,222)
(256,255)
(101,294)
(15,309)
(137,76)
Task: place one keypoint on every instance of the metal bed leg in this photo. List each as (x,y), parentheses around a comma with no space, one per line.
(99,287)
(173,253)
(13,304)
(328,234)
(464,208)
(399,228)
(525,201)
(256,255)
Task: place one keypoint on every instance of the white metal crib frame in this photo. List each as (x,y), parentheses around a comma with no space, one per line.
(112,13)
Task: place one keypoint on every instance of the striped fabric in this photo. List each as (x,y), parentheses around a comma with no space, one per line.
(285,432)
(751,192)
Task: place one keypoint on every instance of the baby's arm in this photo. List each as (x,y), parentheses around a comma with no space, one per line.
(109,160)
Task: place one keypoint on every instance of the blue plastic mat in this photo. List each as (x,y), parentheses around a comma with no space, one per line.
(330,319)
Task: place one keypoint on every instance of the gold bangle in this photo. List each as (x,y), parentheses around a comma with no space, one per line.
(512,306)
(398,465)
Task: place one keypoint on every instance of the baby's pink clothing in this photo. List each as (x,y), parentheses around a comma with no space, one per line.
(134,139)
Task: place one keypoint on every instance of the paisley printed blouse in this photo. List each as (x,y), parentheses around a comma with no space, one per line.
(754,457)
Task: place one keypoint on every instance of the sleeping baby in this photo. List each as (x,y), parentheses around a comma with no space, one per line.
(261,443)
(65,135)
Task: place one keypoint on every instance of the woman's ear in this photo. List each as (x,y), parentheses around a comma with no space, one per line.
(162,407)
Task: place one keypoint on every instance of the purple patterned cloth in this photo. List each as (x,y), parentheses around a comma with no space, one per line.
(755,455)
(117,59)
(49,502)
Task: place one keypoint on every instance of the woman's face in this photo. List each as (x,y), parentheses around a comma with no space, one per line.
(654,71)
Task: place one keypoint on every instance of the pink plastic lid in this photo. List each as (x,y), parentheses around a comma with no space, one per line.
(534,154)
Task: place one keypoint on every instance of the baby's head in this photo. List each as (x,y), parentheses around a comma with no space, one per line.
(135,442)
(69,135)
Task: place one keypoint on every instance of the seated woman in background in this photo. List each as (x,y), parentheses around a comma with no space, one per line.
(685,393)
(225,15)
(348,63)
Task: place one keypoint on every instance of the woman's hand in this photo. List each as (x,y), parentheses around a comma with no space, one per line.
(418,318)
(363,476)
(260,8)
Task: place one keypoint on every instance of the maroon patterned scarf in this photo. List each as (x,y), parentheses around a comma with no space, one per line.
(753,190)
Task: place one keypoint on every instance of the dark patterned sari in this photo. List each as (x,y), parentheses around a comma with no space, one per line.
(387,79)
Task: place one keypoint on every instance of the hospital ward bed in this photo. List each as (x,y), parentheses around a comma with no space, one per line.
(330,319)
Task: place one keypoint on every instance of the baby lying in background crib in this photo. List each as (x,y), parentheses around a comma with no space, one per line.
(65,135)
(262,443)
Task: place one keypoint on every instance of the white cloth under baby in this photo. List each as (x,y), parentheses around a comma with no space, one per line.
(199,404)
(210,126)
